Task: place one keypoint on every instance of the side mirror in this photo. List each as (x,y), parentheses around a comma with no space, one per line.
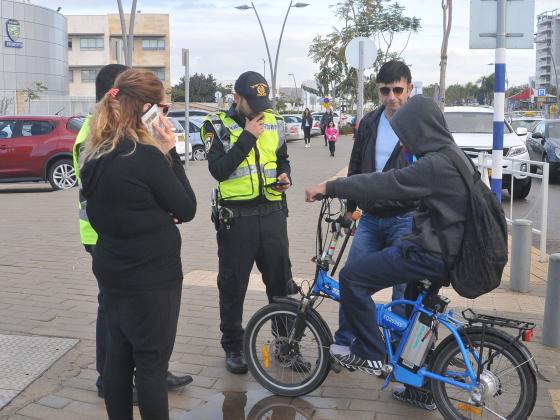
(521,131)
(537,135)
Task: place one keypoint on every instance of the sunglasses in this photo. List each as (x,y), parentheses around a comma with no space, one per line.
(386,90)
(164,108)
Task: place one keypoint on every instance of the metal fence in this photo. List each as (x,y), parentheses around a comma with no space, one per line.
(522,167)
(45,105)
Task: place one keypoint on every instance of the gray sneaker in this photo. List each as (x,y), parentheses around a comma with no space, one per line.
(418,397)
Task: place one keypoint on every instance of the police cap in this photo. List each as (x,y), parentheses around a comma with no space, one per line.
(254,88)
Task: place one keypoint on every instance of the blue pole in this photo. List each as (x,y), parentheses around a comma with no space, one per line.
(499,100)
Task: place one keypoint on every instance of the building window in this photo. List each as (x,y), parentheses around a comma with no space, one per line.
(91,43)
(88,76)
(69,43)
(70,76)
(153,44)
(160,73)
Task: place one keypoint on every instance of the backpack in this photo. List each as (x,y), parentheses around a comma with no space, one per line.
(483,254)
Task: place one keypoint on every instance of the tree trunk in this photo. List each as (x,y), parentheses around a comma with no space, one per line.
(446,6)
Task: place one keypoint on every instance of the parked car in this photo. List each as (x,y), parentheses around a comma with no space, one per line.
(292,127)
(180,113)
(180,138)
(316,127)
(336,118)
(544,145)
(38,148)
(198,148)
(528,122)
(472,130)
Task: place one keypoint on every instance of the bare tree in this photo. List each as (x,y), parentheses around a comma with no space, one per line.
(127,39)
(446,6)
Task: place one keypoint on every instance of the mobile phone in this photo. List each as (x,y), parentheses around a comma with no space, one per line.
(149,117)
(278,184)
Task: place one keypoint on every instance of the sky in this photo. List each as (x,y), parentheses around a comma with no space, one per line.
(225,42)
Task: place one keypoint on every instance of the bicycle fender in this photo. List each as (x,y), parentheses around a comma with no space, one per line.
(503,335)
(311,311)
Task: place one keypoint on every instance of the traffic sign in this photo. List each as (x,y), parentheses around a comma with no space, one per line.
(352,52)
(541,92)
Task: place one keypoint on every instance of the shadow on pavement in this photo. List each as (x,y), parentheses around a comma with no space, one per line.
(24,190)
(253,405)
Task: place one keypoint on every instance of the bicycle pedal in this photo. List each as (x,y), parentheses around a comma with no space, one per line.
(335,367)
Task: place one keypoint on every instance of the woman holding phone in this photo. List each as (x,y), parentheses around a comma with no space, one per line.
(137,191)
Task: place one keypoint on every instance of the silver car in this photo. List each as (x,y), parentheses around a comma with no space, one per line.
(198,149)
(292,127)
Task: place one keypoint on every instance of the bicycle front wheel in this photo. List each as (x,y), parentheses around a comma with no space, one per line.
(507,388)
(283,367)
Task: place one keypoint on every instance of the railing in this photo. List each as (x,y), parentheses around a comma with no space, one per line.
(483,161)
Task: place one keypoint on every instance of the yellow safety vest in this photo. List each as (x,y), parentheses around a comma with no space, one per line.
(251,177)
(87,233)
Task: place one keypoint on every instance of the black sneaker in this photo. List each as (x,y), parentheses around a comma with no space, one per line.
(292,288)
(354,362)
(417,397)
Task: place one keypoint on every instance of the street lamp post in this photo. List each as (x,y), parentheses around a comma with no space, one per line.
(264,68)
(295,87)
(272,69)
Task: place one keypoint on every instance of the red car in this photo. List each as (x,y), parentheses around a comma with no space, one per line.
(36,148)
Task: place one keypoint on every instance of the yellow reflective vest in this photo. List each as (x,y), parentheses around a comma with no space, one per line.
(87,233)
(253,176)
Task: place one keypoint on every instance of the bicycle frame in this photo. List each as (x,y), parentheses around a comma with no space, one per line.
(326,286)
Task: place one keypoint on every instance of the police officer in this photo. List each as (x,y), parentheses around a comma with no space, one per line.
(247,155)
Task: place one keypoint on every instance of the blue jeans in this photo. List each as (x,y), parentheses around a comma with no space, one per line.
(373,234)
(404,262)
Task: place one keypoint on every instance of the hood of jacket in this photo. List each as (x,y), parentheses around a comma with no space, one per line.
(421,127)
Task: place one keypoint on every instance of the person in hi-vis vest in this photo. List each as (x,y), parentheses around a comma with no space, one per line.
(103,82)
(247,155)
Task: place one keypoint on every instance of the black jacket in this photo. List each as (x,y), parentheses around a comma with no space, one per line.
(362,161)
(222,162)
(309,120)
(433,179)
(131,195)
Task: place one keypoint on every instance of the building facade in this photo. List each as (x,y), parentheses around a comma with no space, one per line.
(547,44)
(33,48)
(95,41)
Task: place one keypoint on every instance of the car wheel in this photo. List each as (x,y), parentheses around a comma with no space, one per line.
(198,153)
(61,175)
(521,188)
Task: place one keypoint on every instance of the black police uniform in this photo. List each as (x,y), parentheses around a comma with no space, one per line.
(257,233)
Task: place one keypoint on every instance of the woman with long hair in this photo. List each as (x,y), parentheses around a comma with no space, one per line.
(306,124)
(136,191)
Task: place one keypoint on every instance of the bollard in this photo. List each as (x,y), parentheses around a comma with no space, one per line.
(551,325)
(520,266)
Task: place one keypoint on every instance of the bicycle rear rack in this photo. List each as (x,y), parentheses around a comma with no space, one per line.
(525,328)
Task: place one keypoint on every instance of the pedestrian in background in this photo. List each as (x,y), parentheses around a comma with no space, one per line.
(306,124)
(325,119)
(136,191)
(332,136)
(103,82)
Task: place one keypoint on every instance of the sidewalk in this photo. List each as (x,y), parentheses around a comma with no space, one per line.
(48,291)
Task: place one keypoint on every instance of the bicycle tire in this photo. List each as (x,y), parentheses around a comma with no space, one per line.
(322,366)
(528,384)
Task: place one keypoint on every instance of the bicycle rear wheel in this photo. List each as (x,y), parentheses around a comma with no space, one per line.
(289,369)
(507,385)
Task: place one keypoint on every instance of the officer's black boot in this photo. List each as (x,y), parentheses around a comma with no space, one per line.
(292,288)
(235,362)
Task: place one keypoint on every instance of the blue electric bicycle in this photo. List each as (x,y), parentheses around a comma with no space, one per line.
(476,371)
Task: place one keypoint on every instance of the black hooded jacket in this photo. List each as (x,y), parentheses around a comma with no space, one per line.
(432,179)
(131,194)
(362,161)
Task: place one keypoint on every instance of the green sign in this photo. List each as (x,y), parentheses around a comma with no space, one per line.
(13,30)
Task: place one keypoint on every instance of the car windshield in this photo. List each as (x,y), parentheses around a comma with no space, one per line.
(178,127)
(292,119)
(523,123)
(554,130)
(471,122)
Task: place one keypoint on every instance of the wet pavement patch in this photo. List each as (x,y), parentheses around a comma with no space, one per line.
(252,405)
(24,358)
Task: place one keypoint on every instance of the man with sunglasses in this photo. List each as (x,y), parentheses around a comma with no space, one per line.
(378,149)
(103,83)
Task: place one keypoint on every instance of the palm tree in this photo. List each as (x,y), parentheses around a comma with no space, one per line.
(487,88)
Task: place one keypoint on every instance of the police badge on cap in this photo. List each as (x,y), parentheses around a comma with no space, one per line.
(254,88)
